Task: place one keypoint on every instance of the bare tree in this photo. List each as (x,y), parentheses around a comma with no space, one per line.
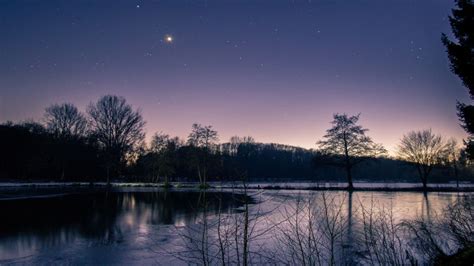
(233,145)
(202,136)
(454,158)
(68,125)
(312,230)
(117,127)
(65,120)
(381,237)
(425,150)
(227,238)
(346,144)
(235,142)
(163,148)
(446,236)
(203,139)
(158,145)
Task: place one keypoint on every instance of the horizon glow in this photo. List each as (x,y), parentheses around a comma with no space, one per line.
(274,70)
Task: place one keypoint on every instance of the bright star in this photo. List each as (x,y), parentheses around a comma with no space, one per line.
(168,38)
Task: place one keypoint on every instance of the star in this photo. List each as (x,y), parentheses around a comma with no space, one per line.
(169,38)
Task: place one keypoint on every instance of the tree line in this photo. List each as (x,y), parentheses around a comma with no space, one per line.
(108,142)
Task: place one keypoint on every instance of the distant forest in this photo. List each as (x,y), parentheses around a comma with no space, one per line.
(107,143)
(32,151)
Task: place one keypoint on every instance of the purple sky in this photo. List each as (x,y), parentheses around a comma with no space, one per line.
(273,69)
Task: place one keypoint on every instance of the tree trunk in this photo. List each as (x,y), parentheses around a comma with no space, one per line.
(425,183)
(349,178)
(108,175)
(348,165)
(426,173)
(422,172)
(199,174)
(456,174)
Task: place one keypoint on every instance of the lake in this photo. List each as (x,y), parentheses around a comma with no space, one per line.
(153,226)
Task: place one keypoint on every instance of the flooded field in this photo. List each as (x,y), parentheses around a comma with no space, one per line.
(154,226)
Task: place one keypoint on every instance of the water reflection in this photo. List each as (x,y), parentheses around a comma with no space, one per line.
(304,221)
(106,217)
(120,226)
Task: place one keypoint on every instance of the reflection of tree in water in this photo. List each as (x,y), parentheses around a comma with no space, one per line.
(425,206)
(103,216)
(169,207)
(329,227)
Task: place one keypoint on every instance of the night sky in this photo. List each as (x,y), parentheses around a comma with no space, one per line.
(273,69)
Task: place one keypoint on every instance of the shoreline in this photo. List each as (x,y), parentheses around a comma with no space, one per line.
(304,186)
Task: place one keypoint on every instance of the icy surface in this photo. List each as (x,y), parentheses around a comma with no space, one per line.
(143,226)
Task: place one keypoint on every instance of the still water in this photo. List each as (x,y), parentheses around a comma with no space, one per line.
(139,225)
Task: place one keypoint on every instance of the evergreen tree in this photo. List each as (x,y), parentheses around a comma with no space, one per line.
(461,55)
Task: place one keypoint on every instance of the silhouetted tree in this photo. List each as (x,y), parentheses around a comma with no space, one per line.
(425,150)
(232,147)
(32,127)
(159,142)
(461,56)
(68,126)
(157,146)
(30,151)
(203,139)
(65,121)
(202,136)
(164,151)
(346,144)
(117,128)
(454,158)
(24,150)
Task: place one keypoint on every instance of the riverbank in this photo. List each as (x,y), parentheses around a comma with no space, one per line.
(389,187)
